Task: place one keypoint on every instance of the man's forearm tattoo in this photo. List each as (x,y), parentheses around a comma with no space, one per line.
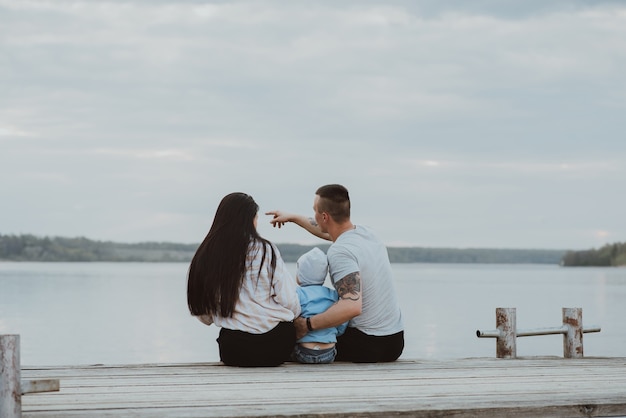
(349,287)
(312,221)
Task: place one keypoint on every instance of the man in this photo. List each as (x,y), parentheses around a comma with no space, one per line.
(361,273)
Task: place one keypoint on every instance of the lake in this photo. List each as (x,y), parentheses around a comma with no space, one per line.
(123,313)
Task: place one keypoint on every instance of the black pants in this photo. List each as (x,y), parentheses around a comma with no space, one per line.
(239,348)
(359,347)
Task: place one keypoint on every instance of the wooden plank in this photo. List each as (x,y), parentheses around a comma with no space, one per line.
(461,388)
(41,385)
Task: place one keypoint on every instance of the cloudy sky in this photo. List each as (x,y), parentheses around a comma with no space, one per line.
(453,124)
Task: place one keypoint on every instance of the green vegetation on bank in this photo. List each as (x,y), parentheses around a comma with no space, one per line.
(32,248)
(610,255)
(474,255)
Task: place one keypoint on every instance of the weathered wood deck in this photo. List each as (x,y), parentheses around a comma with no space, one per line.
(485,387)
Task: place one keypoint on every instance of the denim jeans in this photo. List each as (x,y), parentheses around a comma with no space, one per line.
(310,356)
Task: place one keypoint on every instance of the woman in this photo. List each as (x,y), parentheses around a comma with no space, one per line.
(238,281)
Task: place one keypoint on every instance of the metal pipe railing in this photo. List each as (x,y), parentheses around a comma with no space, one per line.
(555,330)
(507,332)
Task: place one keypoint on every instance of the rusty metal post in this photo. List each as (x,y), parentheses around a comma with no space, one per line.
(573,337)
(506,324)
(10,392)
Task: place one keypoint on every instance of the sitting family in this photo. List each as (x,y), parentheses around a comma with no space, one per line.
(238,281)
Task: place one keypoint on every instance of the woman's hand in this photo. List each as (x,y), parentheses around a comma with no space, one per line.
(205,319)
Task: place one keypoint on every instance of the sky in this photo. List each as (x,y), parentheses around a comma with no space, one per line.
(482,124)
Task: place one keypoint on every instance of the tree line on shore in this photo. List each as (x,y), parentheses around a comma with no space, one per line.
(613,255)
(47,249)
(32,248)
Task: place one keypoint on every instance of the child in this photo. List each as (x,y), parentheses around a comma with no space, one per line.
(317,346)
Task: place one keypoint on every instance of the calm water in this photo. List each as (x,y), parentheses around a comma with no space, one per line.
(90,313)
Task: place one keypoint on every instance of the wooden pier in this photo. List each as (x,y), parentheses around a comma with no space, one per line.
(485,387)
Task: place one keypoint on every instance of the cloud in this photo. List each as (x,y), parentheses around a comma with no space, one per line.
(159,154)
(484,123)
(13,132)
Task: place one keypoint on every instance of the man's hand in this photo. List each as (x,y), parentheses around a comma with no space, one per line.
(301,329)
(279,218)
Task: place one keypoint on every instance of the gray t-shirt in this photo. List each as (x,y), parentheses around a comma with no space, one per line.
(360,250)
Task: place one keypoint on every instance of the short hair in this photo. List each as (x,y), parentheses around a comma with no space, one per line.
(334,200)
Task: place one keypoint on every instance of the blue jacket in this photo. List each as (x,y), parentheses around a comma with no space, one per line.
(316,299)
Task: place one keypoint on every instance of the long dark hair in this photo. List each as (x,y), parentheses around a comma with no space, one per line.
(218,268)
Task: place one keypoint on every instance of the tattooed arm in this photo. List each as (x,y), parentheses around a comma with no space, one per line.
(281,218)
(347,307)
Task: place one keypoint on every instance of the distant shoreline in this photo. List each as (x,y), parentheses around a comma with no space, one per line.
(60,249)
